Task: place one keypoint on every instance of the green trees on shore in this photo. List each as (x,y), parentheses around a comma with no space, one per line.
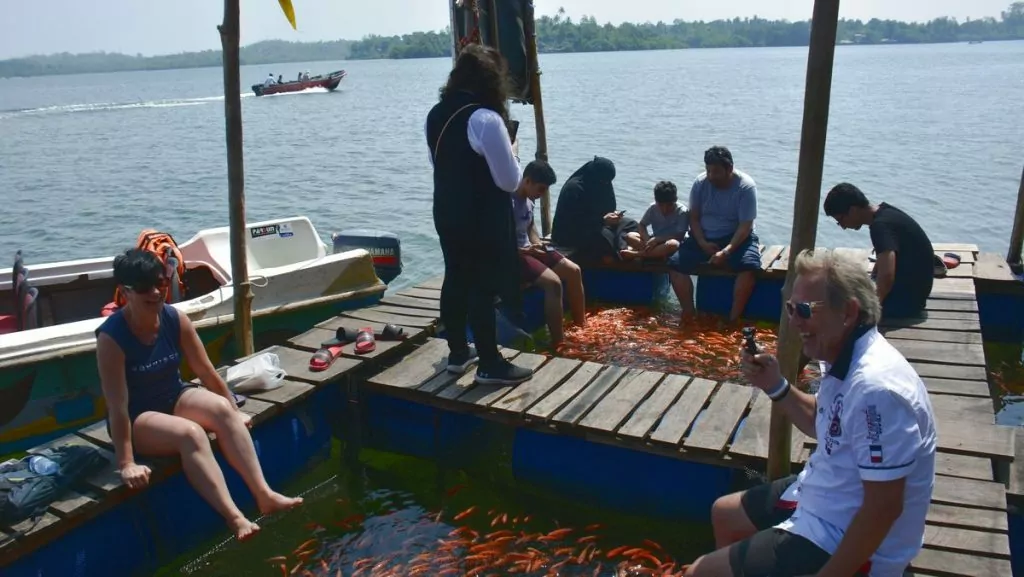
(558,33)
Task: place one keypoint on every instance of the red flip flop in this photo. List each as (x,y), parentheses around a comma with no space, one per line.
(324,358)
(365,341)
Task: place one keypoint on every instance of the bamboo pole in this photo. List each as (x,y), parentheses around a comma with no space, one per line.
(817,92)
(229,36)
(1013,256)
(533,63)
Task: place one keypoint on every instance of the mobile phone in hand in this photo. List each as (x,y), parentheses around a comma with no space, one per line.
(513,130)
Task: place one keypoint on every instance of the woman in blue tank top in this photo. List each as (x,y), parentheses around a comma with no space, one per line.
(152,412)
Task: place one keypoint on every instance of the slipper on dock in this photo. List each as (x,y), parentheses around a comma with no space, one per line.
(392,333)
(951,260)
(365,342)
(324,358)
(342,336)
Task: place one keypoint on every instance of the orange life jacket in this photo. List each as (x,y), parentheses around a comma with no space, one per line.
(163,246)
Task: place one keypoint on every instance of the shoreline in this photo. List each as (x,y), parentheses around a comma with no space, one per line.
(347,59)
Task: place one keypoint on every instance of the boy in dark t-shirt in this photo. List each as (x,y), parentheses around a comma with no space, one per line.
(904,264)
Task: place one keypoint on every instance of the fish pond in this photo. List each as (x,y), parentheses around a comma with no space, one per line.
(372,513)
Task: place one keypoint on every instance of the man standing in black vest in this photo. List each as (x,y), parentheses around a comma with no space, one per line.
(475,170)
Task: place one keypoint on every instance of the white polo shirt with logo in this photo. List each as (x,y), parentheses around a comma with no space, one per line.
(874,423)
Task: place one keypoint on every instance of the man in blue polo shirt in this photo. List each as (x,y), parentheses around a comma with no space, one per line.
(859,505)
(723,206)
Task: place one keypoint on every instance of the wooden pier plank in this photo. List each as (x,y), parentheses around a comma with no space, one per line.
(484,395)
(977,519)
(421,293)
(434,283)
(940,304)
(752,439)
(953,288)
(966,540)
(382,317)
(405,311)
(938,336)
(941,353)
(957,247)
(419,367)
(547,378)
(947,564)
(945,371)
(612,410)
(782,263)
(678,418)
(289,393)
(593,393)
(1015,485)
(716,426)
(770,255)
(653,407)
(546,407)
(411,302)
(935,324)
(993,267)
(964,492)
(969,467)
(978,389)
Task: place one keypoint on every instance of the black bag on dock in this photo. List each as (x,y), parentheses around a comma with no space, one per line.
(30,484)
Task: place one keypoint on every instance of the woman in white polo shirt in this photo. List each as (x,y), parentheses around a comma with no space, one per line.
(859,506)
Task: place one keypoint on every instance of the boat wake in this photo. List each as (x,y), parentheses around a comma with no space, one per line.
(107,106)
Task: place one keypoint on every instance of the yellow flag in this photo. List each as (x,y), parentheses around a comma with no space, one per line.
(289,12)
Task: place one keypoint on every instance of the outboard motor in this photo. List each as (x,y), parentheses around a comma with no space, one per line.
(384,248)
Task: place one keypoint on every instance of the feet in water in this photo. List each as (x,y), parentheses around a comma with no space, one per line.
(460,362)
(275,502)
(243,528)
(504,373)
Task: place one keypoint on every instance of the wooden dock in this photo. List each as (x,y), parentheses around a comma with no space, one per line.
(679,416)
(722,423)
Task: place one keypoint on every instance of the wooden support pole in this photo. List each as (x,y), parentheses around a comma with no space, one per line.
(1013,256)
(533,63)
(229,35)
(817,92)
(492,25)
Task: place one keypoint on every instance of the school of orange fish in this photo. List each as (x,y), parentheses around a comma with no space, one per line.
(498,545)
(704,346)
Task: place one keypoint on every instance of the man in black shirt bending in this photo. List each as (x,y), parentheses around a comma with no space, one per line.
(904,257)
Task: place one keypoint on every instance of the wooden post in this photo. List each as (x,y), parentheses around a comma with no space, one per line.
(817,92)
(1013,256)
(492,24)
(229,34)
(533,63)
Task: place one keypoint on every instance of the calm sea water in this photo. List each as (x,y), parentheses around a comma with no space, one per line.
(87,161)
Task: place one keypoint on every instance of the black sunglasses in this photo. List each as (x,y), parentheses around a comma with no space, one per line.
(803,310)
(145,287)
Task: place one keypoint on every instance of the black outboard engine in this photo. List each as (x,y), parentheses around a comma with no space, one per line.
(384,248)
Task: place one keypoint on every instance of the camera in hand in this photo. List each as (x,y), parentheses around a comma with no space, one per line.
(749,342)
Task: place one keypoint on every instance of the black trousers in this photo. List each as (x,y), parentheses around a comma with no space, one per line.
(467,297)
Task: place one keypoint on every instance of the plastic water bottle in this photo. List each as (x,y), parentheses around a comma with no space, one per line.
(40,465)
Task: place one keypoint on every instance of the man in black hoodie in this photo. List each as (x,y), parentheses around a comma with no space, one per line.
(475,170)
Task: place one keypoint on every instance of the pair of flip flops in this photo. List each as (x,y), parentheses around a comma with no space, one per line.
(365,342)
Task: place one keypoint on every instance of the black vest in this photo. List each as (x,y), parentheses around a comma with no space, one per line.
(469,208)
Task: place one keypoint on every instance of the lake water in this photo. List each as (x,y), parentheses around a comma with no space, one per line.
(87,161)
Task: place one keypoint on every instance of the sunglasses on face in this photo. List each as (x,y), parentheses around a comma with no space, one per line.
(802,310)
(148,286)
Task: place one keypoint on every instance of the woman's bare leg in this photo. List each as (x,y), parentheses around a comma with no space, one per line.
(214,413)
(572,283)
(156,434)
(549,282)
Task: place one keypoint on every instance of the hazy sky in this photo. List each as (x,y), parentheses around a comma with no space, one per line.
(169,26)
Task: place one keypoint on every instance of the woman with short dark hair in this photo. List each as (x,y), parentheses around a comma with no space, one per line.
(152,412)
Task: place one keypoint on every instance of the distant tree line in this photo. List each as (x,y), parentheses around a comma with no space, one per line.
(557,33)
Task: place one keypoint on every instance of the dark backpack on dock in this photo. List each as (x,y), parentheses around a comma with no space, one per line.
(26,493)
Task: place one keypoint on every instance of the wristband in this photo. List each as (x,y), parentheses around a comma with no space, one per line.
(779,392)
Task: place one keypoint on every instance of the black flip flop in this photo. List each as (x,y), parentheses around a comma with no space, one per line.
(342,336)
(392,333)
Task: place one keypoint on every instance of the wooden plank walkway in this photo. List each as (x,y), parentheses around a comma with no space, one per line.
(722,423)
(105,490)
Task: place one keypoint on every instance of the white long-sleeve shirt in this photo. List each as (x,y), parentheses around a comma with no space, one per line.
(488,137)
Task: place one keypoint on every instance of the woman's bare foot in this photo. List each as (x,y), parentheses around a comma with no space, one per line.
(243,528)
(628,254)
(275,502)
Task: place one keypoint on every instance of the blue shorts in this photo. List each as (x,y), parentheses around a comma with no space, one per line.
(745,257)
